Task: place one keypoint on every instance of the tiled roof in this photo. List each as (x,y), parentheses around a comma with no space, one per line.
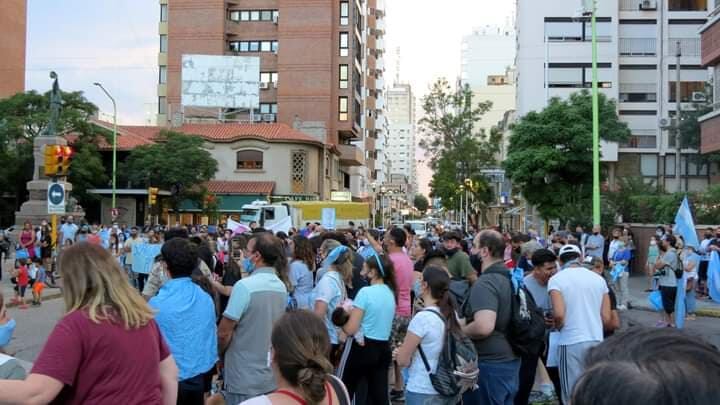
(126,141)
(240,187)
(230,132)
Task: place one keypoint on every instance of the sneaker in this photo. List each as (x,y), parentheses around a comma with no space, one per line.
(661,324)
(397,395)
(690,317)
(622,308)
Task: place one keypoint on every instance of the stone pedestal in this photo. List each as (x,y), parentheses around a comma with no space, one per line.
(35,209)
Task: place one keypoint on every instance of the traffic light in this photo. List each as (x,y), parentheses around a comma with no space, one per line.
(152,195)
(53,158)
(65,159)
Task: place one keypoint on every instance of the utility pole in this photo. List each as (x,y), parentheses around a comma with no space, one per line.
(595,120)
(678,110)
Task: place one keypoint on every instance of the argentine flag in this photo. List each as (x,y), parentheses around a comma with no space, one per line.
(713,283)
(685,226)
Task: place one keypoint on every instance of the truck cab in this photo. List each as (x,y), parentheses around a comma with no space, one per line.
(274,217)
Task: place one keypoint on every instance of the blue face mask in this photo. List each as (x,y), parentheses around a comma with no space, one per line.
(6,332)
(248,265)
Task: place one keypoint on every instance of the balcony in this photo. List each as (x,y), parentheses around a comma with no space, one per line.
(640,142)
(351,155)
(638,47)
(689,47)
(380,44)
(380,103)
(710,40)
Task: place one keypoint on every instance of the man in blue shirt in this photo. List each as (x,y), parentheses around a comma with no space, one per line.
(186,318)
(620,269)
(68,230)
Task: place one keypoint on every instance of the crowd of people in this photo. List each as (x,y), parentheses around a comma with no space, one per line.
(317,316)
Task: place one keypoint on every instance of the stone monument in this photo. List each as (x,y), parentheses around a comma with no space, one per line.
(36,208)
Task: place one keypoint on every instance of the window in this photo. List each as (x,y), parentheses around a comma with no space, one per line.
(162,105)
(268,77)
(648,165)
(687,5)
(265,46)
(163,43)
(253,15)
(343,76)
(298,164)
(344,44)
(638,97)
(163,12)
(343,109)
(686,90)
(268,108)
(344,13)
(163,75)
(249,159)
(578,75)
(576,31)
(253,46)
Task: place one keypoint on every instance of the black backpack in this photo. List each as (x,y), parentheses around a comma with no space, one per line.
(457,369)
(526,330)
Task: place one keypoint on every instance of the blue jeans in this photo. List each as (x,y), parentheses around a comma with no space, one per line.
(413,398)
(498,383)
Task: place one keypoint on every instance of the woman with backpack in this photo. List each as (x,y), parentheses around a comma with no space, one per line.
(426,336)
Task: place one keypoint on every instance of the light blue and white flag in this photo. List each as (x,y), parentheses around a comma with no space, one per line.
(685,226)
(680,309)
(713,283)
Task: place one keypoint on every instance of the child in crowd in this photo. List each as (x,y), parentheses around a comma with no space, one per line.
(21,279)
(38,283)
(341,316)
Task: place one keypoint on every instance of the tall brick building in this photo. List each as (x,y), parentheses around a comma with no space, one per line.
(321,70)
(13,24)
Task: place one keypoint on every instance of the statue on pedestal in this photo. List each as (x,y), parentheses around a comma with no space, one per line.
(55,106)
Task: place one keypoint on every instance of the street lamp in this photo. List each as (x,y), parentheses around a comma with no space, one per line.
(114,165)
(590,7)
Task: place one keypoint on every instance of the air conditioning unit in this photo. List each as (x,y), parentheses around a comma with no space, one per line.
(275,19)
(264,85)
(665,123)
(268,117)
(698,96)
(647,5)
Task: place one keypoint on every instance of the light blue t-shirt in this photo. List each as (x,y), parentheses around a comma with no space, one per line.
(302,280)
(330,291)
(68,231)
(378,303)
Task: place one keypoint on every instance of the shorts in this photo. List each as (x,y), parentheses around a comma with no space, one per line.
(668,298)
(38,287)
(399,330)
(20,289)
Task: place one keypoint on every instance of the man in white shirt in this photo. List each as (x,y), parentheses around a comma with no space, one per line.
(614,243)
(581,308)
(68,230)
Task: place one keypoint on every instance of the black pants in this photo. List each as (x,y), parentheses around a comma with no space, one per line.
(369,363)
(668,298)
(528,368)
(141,279)
(191,391)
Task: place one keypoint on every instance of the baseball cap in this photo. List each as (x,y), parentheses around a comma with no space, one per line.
(569,248)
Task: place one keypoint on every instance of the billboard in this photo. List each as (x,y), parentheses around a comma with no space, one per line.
(220,81)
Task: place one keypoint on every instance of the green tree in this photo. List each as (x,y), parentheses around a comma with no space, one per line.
(166,165)
(550,154)
(23,117)
(421,203)
(456,148)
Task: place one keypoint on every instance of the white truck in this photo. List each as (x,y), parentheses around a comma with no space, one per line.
(420,227)
(278,217)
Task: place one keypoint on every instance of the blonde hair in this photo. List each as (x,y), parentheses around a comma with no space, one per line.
(94,282)
(343,264)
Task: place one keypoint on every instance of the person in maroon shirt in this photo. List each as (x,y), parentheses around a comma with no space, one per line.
(107,349)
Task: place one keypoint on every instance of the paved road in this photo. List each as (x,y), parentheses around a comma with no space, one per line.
(707,328)
(33,327)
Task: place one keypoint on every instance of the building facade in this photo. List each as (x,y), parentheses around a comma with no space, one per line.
(401,138)
(321,65)
(13,26)
(488,50)
(710,44)
(636,68)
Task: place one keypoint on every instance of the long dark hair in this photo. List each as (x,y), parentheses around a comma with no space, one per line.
(387,273)
(271,250)
(303,251)
(438,281)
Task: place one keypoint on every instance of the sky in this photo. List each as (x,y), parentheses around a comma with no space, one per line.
(116,43)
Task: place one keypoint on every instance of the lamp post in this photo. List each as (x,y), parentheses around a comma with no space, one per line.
(114,164)
(595,115)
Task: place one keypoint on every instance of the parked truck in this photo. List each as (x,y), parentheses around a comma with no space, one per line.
(283,216)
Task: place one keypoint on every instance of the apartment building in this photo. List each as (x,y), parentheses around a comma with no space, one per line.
(636,67)
(488,50)
(710,50)
(401,138)
(13,25)
(321,69)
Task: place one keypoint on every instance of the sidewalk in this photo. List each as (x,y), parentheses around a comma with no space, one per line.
(637,285)
(9,293)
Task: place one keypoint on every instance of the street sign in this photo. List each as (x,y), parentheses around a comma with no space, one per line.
(56,198)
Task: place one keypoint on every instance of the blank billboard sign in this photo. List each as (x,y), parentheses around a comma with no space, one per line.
(221,81)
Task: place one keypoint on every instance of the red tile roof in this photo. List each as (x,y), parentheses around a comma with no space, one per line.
(240,187)
(126,141)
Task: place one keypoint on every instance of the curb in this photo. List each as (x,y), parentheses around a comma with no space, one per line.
(706,312)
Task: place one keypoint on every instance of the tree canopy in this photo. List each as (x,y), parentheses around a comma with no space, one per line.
(456,148)
(176,161)
(421,203)
(550,154)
